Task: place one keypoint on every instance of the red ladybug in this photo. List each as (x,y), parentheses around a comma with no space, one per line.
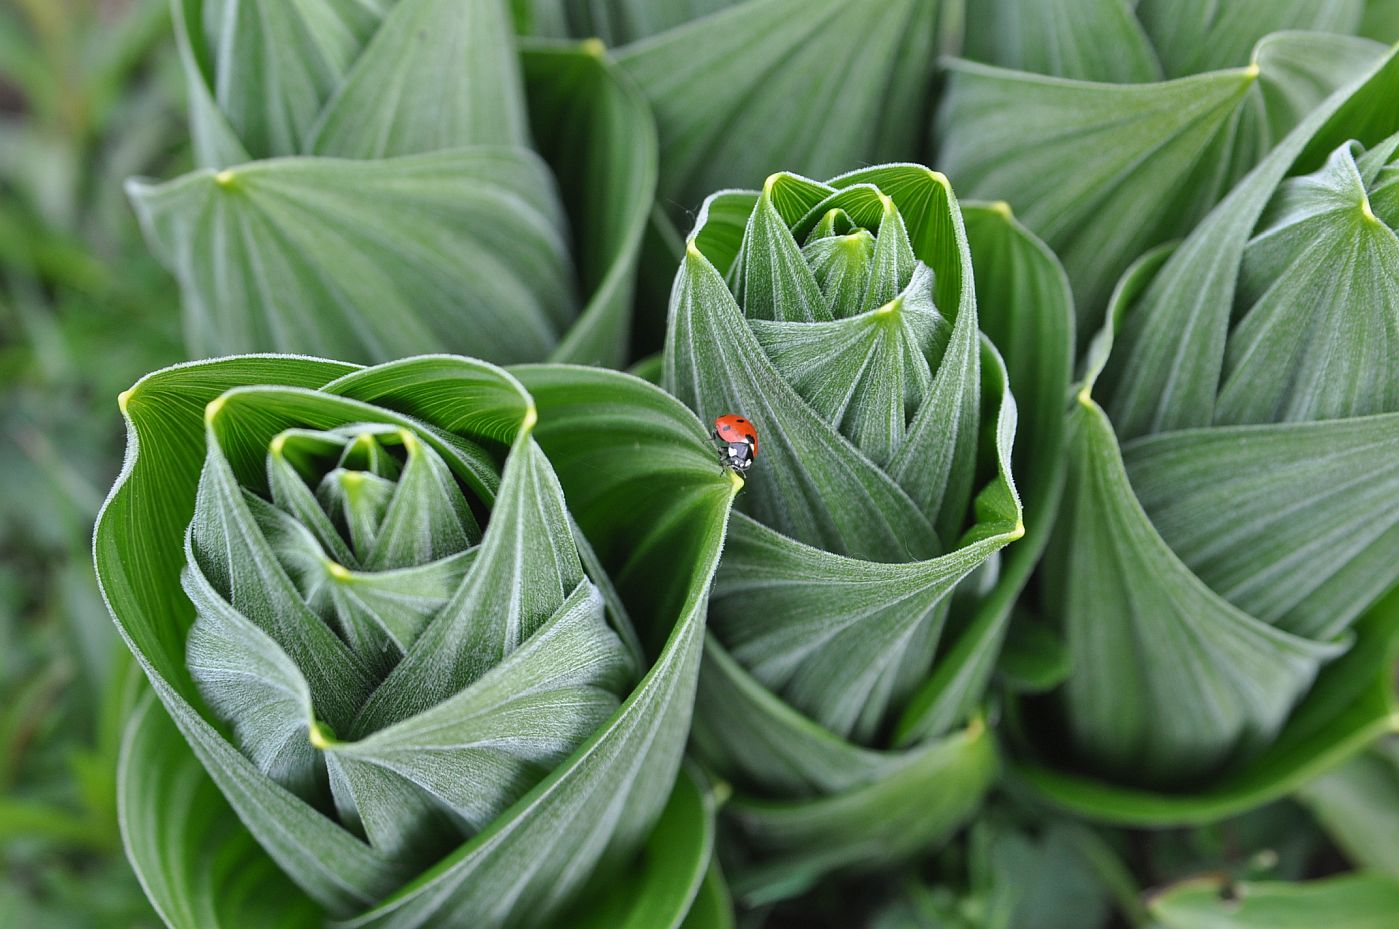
(738,442)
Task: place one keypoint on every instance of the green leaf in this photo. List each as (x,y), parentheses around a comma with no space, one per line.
(675,881)
(458,277)
(198,865)
(600,801)
(274,65)
(814,86)
(1358,805)
(1358,901)
(1170,678)
(1309,567)
(593,126)
(478,750)
(1351,704)
(822,490)
(1087,40)
(1202,35)
(616,22)
(368,260)
(438,74)
(1101,172)
(1300,353)
(1166,370)
(1026,309)
(213,137)
(937,785)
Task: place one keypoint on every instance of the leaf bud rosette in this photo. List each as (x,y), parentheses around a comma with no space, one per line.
(862,599)
(1225,567)
(402,657)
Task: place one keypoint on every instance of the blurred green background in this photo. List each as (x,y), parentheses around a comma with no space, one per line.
(89,95)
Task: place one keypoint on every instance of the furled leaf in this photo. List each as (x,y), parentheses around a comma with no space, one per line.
(1202,35)
(1104,171)
(842,319)
(368,259)
(595,774)
(1155,614)
(1358,804)
(445,231)
(1097,40)
(815,86)
(198,866)
(1101,172)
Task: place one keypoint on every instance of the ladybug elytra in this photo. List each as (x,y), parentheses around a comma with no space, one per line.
(738,442)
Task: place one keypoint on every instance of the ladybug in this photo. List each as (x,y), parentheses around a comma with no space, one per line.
(738,442)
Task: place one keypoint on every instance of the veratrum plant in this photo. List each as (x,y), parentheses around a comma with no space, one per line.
(382,179)
(841,318)
(1113,127)
(1232,513)
(366,604)
(743,88)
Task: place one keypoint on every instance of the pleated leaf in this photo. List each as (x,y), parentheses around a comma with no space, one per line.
(600,802)
(273,65)
(368,260)
(1321,283)
(438,74)
(820,489)
(456,272)
(594,128)
(1026,308)
(1086,40)
(477,751)
(1165,372)
(1351,704)
(813,86)
(1294,523)
(1100,172)
(1202,35)
(616,22)
(1170,678)
(198,866)
(832,804)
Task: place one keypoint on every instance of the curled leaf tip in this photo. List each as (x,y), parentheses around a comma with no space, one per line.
(211,410)
(1085,394)
(124,399)
(890,308)
(322,736)
(225,179)
(769,184)
(336,570)
(1019,531)
(1252,71)
(531,419)
(692,250)
(976,728)
(593,47)
(1367,212)
(278,444)
(1002,208)
(736,480)
(410,441)
(722,791)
